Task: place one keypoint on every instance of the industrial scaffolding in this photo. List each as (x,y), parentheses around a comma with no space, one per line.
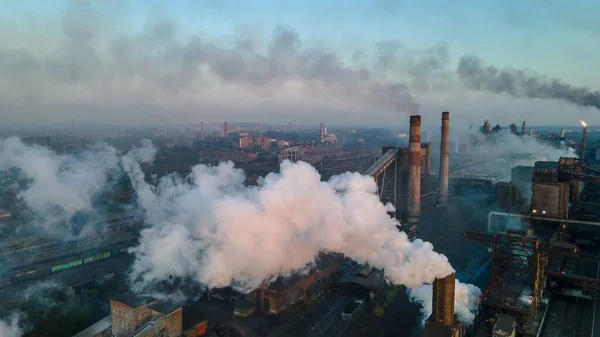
(518,278)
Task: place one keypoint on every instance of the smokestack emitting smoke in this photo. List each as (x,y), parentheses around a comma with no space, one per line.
(414,170)
(444,159)
(213,229)
(477,75)
(443,300)
(583,139)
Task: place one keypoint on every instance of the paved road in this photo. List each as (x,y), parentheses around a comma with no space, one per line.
(323,319)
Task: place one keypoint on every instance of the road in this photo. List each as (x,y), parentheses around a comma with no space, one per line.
(323,318)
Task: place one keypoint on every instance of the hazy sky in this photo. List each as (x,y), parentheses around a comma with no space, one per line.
(372,62)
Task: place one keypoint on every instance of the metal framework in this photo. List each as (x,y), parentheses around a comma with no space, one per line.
(385,172)
(518,277)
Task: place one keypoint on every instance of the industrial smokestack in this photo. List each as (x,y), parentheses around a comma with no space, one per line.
(583,140)
(202,131)
(225,130)
(322,132)
(443,300)
(444,159)
(523,129)
(414,171)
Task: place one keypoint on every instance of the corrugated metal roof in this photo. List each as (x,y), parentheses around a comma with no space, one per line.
(96,328)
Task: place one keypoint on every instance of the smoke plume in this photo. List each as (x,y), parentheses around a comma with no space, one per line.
(10,327)
(59,186)
(518,83)
(503,151)
(211,228)
(465,299)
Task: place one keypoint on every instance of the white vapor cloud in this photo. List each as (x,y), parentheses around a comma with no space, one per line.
(10,327)
(464,301)
(60,185)
(211,228)
(504,151)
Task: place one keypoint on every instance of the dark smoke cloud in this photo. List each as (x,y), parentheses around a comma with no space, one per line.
(161,61)
(476,74)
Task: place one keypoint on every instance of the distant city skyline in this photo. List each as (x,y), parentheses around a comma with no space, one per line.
(370,63)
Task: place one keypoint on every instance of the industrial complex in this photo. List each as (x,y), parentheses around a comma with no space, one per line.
(538,264)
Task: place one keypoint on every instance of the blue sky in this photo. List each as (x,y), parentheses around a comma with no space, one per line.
(547,37)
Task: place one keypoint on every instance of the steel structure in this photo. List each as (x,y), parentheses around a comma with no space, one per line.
(385,172)
(518,278)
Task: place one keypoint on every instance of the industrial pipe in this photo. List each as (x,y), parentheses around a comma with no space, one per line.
(583,143)
(567,221)
(414,171)
(444,159)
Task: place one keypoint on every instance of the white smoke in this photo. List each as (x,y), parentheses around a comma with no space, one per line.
(10,327)
(212,228)
(505,150)
(60,185)
(464,301)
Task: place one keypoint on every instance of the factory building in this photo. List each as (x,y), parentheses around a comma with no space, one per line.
(284,292)
(133,316)
(235,156)
(361,279)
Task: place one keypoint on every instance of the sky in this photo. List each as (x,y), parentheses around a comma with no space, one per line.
(370,62)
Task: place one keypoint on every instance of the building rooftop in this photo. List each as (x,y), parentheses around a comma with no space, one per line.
(322,262)
(367,277)
(191,315)
(164,308)
(439,330)
(133,300)
(95,328)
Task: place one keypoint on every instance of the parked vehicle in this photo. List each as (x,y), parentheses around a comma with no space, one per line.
(351,308)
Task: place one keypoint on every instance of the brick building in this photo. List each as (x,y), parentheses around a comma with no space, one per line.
(132,315)
(234,156)
(285,292)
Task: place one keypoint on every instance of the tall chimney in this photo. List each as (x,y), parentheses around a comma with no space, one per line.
(414,171)
(225,130)
(201,131)
(444,159)
(443,300)
(322,132)
(583,143)
(523,129)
